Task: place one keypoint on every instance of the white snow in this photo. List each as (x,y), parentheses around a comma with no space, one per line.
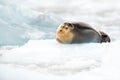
(49,60)
(50,53)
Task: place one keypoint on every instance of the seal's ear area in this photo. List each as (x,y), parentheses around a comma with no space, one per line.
(71,25)
(65,23)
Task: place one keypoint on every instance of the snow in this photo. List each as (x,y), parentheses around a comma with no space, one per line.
(50,53)
(47,59)
(29,51)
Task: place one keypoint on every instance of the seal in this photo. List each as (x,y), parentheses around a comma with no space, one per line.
(105,37)
(79,32)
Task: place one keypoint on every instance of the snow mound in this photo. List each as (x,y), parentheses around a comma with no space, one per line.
(56,57)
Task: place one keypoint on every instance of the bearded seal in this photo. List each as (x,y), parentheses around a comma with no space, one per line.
(79,32)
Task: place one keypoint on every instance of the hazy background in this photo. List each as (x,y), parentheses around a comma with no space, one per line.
(22,20)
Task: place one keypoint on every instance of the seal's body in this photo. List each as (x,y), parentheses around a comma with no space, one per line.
(78,33)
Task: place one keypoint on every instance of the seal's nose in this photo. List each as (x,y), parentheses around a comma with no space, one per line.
(60,30)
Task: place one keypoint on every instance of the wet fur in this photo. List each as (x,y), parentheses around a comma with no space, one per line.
(84,33)
(80,33)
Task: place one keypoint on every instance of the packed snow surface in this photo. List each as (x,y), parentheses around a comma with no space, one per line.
(47,59)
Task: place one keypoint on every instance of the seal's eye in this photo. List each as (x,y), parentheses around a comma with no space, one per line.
(69,24)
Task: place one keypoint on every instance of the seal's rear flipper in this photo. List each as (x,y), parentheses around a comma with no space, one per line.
(104,37)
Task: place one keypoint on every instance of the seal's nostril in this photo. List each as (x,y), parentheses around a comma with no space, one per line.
(60,30)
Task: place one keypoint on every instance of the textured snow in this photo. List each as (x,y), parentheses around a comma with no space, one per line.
(49,52)
(47,59)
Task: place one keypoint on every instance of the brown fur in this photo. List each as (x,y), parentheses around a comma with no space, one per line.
(64,34)
(79,33)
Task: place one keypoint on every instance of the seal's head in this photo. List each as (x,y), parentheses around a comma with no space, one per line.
(64,34)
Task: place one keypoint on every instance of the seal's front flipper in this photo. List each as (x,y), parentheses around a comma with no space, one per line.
(104,37)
